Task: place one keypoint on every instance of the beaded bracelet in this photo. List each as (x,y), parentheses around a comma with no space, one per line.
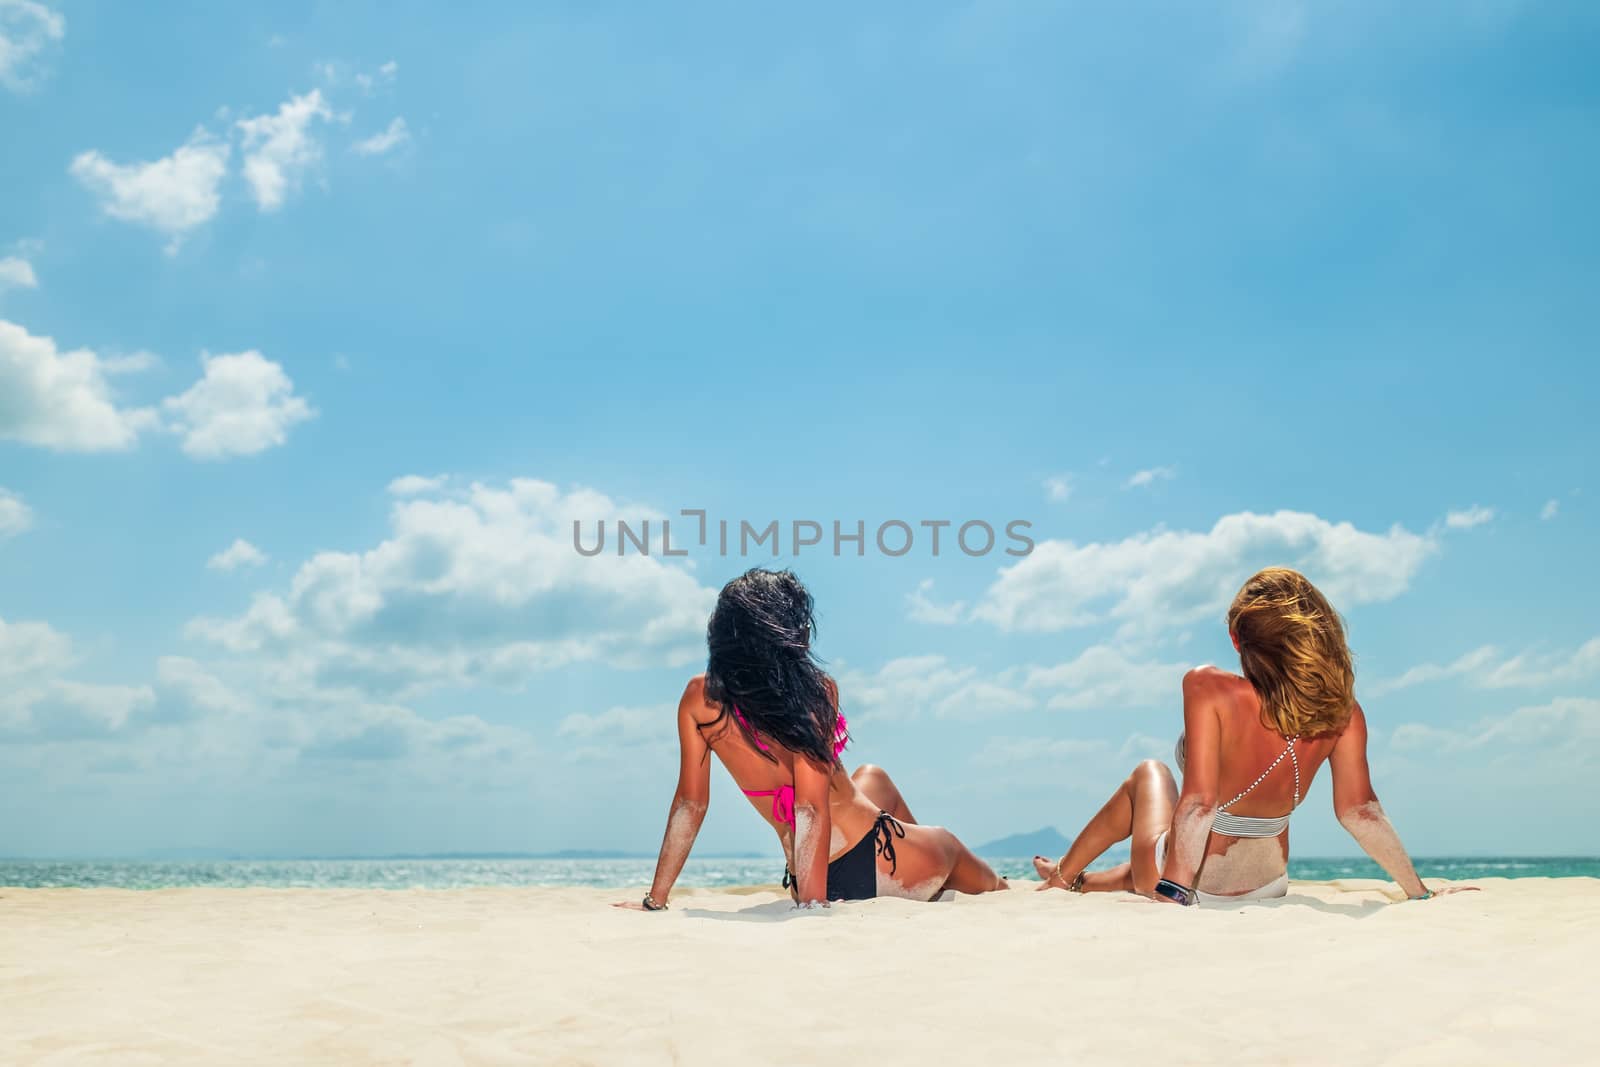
(651,905)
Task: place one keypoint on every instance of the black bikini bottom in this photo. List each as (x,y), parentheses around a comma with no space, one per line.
(854,875)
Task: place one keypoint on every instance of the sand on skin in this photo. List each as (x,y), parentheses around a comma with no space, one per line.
(1336,973)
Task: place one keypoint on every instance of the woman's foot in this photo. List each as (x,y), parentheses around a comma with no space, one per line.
(1049,872)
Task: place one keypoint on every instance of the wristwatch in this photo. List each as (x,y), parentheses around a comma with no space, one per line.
(1180,894)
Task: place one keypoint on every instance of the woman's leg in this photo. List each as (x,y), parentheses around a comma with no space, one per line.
(1141,808)
(879,788)
(929,860)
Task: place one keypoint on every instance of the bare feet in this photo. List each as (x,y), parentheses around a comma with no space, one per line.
(1049,873)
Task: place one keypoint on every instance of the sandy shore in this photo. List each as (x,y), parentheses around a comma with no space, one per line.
(1334,974)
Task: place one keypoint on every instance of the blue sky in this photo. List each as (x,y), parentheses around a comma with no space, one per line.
(320,323)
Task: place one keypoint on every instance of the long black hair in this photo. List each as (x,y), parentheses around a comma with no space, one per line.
(760,663)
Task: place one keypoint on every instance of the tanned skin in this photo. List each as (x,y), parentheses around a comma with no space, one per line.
(1226,747)
(833,811)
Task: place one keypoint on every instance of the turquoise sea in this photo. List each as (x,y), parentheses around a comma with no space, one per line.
(613,873)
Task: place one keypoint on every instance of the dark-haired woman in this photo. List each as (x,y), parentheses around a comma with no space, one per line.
(771,716)
(1251,746)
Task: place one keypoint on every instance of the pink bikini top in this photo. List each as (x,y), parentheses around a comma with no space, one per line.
(783,796)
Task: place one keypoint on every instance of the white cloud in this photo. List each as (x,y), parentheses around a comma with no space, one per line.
(1104,677)
(481,587)
(1002,753)
(415,484)
(131,363)
(239,554)
(36,701)
(191,720)
(921,608)
(1473,662)
(909,687)
(392,137)
(1488,668)
(1468,518)
(29,649)
(1551,509)
(1164,578)
(243,404)
(1058,487)
(15,515)
(1099,678)
(279,149)
(172,195)
(61,400)
(1564,730)
(17,273)
(1144,478)
(617,734)
(27,28)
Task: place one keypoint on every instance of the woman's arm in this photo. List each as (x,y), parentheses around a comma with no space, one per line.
(1202,761)
(689,801)
(1358,809)
(813,829)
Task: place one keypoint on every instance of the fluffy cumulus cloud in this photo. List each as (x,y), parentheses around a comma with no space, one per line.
(1107,677)
(38,701)
(192,719)
(243,404)
(921,607)
(912,686)
(1102,677)
(617,733)
(172,195)
(16,273)
(394,136)
(479,586)
(29,650)
(239,554)
(279,149)
(1168,578)
(15,515)
(61,399)
(27,31)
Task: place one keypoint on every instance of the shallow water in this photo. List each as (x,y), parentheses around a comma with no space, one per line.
(617,873)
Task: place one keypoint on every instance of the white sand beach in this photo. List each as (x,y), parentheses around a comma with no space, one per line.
(496,976)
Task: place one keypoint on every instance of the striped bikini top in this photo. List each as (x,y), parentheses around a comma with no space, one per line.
(1230,825)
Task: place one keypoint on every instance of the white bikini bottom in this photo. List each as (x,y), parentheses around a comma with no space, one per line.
(1278,887)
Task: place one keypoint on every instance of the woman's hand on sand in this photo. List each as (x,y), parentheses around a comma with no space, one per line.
(1444,890)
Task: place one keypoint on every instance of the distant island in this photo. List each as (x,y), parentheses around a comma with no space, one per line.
(1045,842)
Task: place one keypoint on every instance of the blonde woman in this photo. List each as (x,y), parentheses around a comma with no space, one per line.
(1252,745)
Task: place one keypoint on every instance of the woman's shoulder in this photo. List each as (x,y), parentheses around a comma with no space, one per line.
(694,696)
(1208,678)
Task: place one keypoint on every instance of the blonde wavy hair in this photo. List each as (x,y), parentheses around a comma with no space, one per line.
(1293,652)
